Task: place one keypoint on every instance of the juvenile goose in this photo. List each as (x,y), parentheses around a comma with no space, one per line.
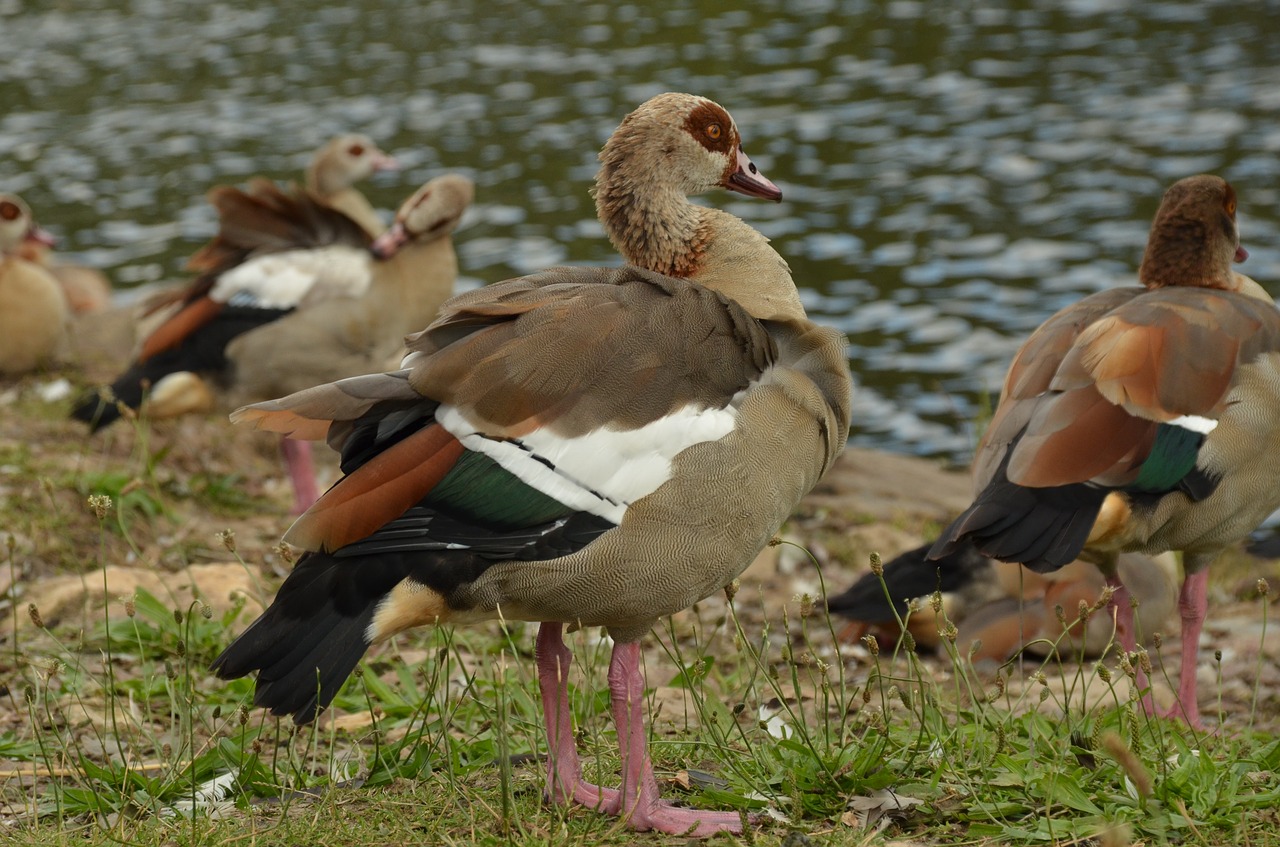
(584,446)
(33,310)
(1142,419)
(293,297)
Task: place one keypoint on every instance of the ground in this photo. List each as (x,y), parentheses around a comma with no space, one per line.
(193,523)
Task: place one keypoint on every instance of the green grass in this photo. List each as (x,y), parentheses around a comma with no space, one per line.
(123,730)
(112,731)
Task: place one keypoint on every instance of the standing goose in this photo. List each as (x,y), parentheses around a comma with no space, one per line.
(293,296)
(33,310)
(584,446)
(1144,419)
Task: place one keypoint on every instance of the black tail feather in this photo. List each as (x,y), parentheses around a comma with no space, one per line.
(909,575)
(100,407)
(1041,528)
(306,644)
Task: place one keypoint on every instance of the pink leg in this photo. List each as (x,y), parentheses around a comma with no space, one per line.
(641,805)
(1122,604)
(297,457)
(564,773)
(1193,604)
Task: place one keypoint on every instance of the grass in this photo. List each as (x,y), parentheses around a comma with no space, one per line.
(113,731)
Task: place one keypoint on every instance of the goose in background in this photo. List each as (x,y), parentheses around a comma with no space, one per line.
(1141,419)
(33,309)
(293,295)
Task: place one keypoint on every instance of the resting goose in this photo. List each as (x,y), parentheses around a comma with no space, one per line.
(336,168)
(1000,608)
(583,446)
(1141,419)
(294,296)
(85,289)
(33,310)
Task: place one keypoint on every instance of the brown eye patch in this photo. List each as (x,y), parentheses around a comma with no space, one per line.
(9,210)
(712,127)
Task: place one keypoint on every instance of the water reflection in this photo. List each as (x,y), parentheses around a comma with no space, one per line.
(952,174)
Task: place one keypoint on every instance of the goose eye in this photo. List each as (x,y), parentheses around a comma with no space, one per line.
(714,131)
(1231,206)
(355,151)
(9,211)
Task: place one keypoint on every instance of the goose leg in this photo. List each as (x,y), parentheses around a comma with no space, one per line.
(1193,603)
(1122,603)
(640,803)
(564,773)
(302,472)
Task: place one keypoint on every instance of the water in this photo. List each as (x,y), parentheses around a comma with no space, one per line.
(953,173)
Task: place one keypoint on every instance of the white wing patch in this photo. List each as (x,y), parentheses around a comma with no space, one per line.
(604,471)
(1195,423)
(296,277)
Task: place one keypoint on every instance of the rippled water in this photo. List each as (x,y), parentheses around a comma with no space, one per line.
(953,172)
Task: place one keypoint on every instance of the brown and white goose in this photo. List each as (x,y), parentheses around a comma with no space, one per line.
(1142,419)
(33,310)
(293,296)
(584,446)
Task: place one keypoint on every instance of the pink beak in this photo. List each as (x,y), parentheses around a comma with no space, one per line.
(40,236)
(1241,254)
(383,162)
(389,243)
(748,180)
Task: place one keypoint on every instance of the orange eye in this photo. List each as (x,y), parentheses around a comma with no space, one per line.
(355,150)
(714,131)
(1231,206)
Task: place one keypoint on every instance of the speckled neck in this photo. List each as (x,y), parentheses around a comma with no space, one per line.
(651,224)
(655,227)
(1187,251)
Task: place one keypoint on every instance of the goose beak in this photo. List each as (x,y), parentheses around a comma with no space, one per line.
(383,162)
(386,245)
(38,235)
(748,180)
(1241,254)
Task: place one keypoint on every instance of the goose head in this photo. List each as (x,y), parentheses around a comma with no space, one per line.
(432,212)
(1194,238)
(344,161)
(17,226)
(681,142)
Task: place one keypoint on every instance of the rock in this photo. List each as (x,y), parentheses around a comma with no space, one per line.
(61,598)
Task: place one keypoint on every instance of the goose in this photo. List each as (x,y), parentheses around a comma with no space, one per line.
(582,446)
(1141,419)
(33,309)
(329,179)
(999,608)
(335,169)
(295,294)
(86,290)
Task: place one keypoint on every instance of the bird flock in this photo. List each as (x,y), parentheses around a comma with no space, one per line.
(602,447)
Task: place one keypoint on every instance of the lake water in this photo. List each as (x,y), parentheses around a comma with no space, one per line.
(953,172)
